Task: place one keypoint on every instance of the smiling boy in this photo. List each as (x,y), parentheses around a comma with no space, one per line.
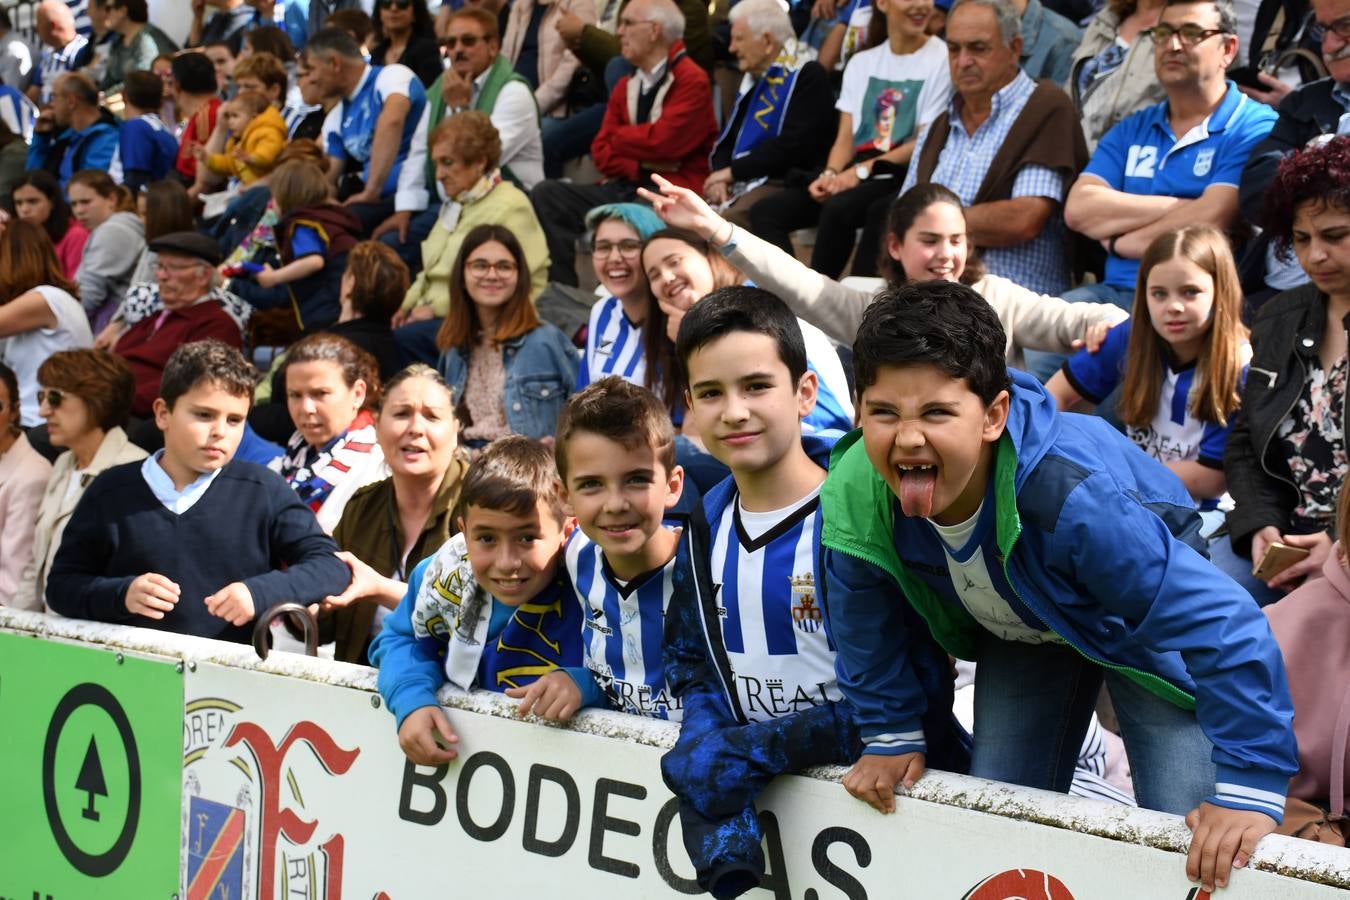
(148,543)
(488,610)
(616,454)
(754,664)
(1056,554)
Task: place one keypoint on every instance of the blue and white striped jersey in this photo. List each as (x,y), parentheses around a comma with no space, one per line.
(52,63)
(613,346)
(623,627)
(773,627)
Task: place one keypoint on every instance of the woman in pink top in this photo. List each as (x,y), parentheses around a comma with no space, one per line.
(37,198)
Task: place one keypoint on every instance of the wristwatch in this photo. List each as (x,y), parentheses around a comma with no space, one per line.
(862,171)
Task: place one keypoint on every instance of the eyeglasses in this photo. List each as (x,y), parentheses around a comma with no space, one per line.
(480,267)
(468,40)
(627,247)
(1341,28)
(50,396)
(1190,35)
(175,268)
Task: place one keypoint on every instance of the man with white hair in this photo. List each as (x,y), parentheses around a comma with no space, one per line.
(659,119)
(781,123)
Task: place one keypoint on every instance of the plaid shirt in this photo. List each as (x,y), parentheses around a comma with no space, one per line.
(1038,264)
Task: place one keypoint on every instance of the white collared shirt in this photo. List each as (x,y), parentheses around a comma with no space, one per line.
(162,486)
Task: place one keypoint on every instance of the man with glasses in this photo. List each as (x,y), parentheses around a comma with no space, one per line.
(659,119)
(185,274)
(1321,107)
(478,78)
(1178,162)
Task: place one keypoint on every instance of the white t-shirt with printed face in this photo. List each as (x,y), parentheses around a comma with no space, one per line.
(26,351)
(891,96)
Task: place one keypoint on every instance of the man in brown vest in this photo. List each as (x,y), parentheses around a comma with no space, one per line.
(1008,146)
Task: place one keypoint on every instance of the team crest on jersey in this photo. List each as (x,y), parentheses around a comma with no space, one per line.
(806,613)
(1204,160)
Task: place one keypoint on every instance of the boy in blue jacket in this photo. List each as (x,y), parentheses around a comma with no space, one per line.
(751,658)
(488,610)
(1057,555)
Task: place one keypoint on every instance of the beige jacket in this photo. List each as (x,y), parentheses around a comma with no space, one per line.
(1030,320)
(1129,88)
(556,62)
(23,476)
(55,510)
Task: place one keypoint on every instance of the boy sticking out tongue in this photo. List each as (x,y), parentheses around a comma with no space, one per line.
(1059,556)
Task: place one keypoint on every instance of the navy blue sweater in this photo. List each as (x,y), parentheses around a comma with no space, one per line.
(246,527)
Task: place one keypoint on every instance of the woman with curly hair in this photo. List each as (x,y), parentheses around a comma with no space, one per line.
(1286,456)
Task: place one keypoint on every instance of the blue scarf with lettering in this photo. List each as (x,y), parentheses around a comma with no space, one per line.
(768,100)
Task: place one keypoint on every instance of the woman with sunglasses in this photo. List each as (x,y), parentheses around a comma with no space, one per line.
(85,396)
(510,372)
(405,34)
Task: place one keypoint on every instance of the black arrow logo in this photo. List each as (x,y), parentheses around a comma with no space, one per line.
(90,780)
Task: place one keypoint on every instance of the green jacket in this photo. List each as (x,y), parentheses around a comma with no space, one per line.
(499,75)
(369,529)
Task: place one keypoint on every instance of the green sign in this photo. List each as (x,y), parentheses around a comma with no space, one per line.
(90,772)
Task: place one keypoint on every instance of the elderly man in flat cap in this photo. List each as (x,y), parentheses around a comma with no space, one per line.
(192,311)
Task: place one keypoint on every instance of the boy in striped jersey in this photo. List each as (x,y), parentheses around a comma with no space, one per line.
(754,662)
(615,452)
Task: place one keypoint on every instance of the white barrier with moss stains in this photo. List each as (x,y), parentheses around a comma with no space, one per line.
(289,782)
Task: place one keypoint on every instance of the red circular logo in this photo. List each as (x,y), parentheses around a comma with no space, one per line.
(1020,884)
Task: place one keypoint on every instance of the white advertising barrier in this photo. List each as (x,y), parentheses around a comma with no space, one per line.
(294,786)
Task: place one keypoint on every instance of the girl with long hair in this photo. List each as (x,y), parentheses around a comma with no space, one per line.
(37,197)
(116,241)
(683,268)
(1180,377)
(509,371)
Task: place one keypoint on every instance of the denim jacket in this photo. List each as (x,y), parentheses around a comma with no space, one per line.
(541,367)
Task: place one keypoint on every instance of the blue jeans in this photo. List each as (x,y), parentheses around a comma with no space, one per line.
(1102,293)
(1032,707)
(1239,568)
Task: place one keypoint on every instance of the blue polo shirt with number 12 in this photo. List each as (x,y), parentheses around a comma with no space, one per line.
(1141,155)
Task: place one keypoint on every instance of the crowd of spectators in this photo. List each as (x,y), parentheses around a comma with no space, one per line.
(336,252)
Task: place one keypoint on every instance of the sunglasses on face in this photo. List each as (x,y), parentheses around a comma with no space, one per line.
(50,396)
(468,40)
(394,4)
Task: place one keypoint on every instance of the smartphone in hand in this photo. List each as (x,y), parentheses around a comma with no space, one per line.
(1277,558)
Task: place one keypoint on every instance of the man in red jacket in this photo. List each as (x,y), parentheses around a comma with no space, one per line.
(659,119)
(184,270)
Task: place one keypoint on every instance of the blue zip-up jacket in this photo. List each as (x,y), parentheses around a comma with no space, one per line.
(1098,543)
(541,367)
(92,148)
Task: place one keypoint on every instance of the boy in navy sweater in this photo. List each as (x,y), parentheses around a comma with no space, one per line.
(188,541)
(754,662)
(1051,550)
(491,609)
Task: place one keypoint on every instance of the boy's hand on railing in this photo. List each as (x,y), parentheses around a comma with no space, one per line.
(233,603)
(1222,839)
(873,778)
(152,596)
(426,737)
(555,697)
